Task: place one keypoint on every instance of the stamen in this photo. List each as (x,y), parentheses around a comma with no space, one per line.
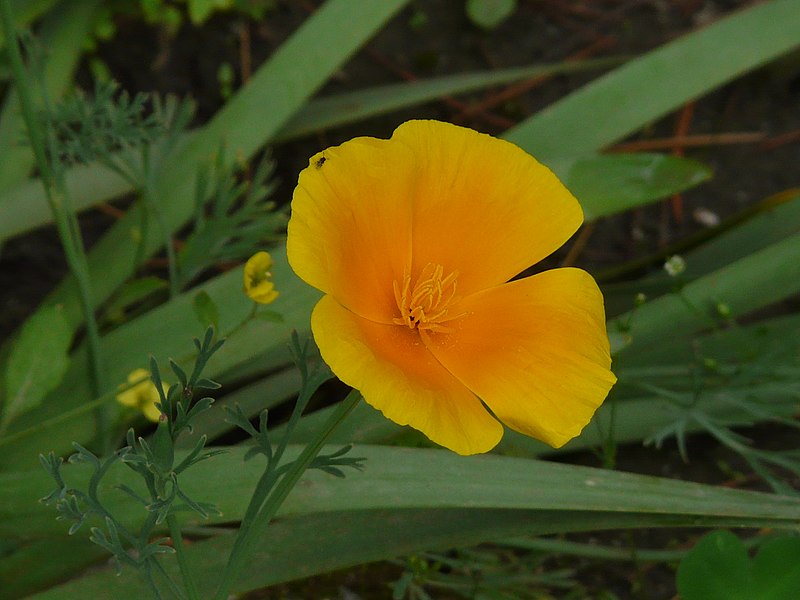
(426,305)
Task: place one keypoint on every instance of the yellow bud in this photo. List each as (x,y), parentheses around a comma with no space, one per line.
(258,283)
(142,396)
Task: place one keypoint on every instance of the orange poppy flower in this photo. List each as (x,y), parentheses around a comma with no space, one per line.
(413,240)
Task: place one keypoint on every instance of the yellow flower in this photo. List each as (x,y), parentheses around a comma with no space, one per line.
(142,396)
(258,283)
(414,240)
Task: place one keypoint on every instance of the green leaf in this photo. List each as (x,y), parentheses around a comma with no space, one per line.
(340,540)
(406,500)
(718,568)
(24,206)
(611,183)
(776,569)
(39,564)
(37,363)
(132,292)
(206,310)
(632,420)
(270,316)
(486,482)
(645,89)
(200,10)
(490,13)
(26,11)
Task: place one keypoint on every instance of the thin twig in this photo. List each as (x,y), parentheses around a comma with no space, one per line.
(690,141)
(780,140)
(110,210)
(517,89)
(681,131)
(451,102)
(578,245)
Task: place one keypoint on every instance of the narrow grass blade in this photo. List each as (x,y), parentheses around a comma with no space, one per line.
(485,482)
(486,497)
(771,220)
(768,276)
(651,86)
(342,540)
(340,109)
(40,564)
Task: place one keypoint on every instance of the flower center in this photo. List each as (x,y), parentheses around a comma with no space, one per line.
(426,305)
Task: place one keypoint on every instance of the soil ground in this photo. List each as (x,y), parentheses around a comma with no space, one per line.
(434,37)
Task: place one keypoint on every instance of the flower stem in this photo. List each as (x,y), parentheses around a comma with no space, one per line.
(64,218)
(177,543)
(153,564)
(256,527)
(141,180)
(166,236)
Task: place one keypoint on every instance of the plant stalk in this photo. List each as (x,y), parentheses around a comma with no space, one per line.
(66,222)
(180,552)
(161,223)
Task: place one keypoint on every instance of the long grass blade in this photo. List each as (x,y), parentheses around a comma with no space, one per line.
(645,89)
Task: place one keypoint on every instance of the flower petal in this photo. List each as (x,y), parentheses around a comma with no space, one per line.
(397,375)
(350,230)
(482,206)
(535,351)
